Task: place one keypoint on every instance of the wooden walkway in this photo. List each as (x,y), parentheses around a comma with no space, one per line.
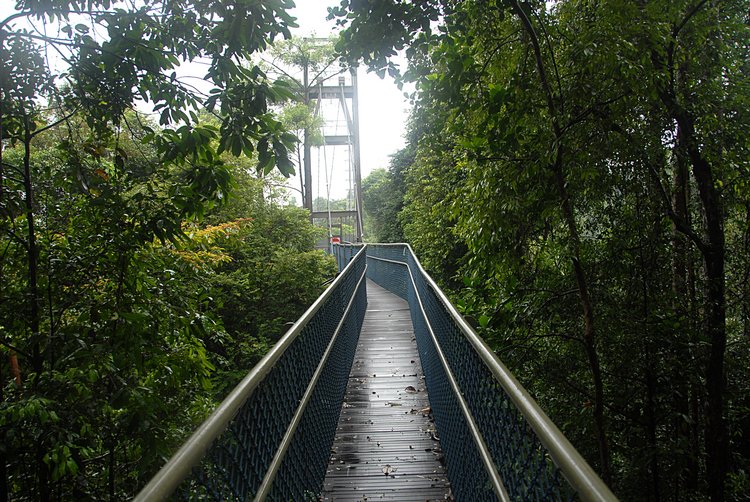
(386,446)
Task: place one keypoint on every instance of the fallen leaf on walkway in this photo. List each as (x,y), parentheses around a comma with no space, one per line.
(387,469)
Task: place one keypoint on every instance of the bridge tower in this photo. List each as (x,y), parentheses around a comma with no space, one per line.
(347,97)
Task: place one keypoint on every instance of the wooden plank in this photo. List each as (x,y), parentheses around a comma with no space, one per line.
(386,446)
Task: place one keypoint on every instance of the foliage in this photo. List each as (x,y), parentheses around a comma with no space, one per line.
(144,336)
(315,54)
(121,355)
(303,64)
(273,274)
(119,55)
(383,198)
(578,184)
(113,309)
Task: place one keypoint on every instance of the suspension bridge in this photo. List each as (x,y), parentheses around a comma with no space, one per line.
(380,391)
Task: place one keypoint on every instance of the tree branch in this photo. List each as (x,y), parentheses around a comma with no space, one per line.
(10,18)
(591,109)
(692,12)
(12,233)
(54,124)
(552,57)
(15,349)
(680,224)
(534,38)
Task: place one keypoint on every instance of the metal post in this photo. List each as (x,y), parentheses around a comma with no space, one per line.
(357,165)
(307,195)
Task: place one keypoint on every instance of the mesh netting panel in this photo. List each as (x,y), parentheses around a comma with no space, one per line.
(234,467)
(345,253)
(523,463)
(392,277)
(305,463)
(469,480)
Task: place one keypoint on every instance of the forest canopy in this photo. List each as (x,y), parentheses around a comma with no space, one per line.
(147,260)
(578,176)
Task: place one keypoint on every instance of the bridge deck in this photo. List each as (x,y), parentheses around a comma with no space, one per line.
(386,447)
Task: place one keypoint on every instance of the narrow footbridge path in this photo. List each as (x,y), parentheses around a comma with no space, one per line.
(386,446)
(380,391)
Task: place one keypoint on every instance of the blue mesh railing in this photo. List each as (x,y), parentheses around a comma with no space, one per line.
(484,417)
(271,437)
(344,253)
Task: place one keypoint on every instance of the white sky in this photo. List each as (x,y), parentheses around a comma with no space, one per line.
(383,110)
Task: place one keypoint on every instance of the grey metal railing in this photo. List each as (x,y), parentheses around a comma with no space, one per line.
(344,253)
(271,437)
(498,443)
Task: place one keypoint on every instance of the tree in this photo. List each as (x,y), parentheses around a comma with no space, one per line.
(546,126)
(455,56)
(142,336)
(383,199)
(90,196)
(314,58)
(271,274)
(120,369)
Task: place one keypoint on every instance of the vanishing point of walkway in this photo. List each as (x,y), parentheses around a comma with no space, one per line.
(386,447)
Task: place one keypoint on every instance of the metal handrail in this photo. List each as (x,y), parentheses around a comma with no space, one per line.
(265,487)
(572,465)
(178,468)
(489,466)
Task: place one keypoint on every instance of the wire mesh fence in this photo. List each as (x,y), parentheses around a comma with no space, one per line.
(278,424)
(530,457)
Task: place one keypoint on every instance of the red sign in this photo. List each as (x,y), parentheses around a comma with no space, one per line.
(335,240)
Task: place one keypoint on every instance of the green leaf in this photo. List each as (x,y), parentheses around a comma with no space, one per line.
(484,320)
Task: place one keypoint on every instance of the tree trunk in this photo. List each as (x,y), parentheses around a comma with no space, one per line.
(679,241)
(37,360)
(3,469)
(307,196)
(717,441)
(3,85)
(687,464)
(589,333)
(2,168)
(650,354)
(697,396)
(32,255)
(111,469)
(713,252)
(746,281)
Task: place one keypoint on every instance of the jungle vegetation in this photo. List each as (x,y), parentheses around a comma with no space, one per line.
(147,259)
(578,176)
